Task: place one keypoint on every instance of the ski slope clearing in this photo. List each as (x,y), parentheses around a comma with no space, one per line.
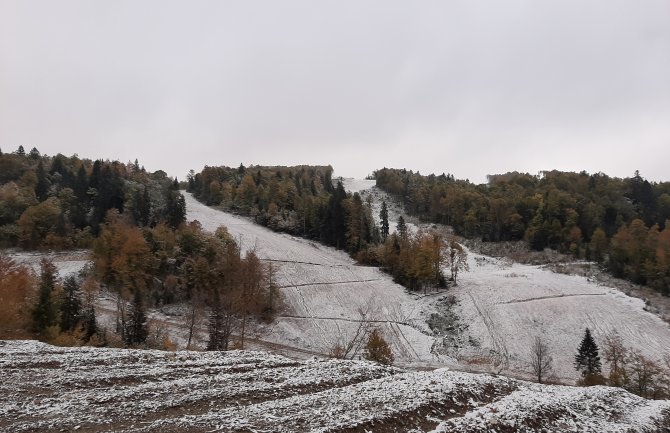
(326,295)
(503,305)
(506,305)
(53,389)
(67,262)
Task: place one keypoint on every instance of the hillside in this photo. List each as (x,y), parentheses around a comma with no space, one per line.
(500,306)
(326,295)
(51,389)
(485,323)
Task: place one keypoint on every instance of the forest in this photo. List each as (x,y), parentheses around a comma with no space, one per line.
(621,223)
(142,250)
(305,201)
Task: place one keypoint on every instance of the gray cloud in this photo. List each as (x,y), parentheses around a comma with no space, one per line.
(467,87)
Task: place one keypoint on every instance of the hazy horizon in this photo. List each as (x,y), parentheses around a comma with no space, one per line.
(468,88)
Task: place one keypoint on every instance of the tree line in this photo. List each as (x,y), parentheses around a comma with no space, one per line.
(621,223)
(305,201)
(162,265)
(60,202)
(144,267)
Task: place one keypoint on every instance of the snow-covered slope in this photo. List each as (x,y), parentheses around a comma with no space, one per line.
(53,389)
(503,305)
(506,305)
(67,262)
(327,295)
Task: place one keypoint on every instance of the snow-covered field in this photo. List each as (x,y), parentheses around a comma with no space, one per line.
(54,389)
(326,295)
(67,262)
(501,305)
(504,305)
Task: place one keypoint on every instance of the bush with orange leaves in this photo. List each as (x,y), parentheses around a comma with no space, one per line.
(17,293)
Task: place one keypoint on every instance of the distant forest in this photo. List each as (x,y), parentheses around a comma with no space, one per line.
(622,223)
(142,250)
(60,202)
(304,201)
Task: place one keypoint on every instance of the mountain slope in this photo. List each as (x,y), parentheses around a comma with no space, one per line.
(326,295)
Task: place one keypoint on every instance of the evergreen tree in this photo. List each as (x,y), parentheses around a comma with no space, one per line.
(34,154)
(45,313)
(42,185)
(90,324)
(587,360)
(136,327)
(175,208)
(21,151)
(401,227)
(377,349)
(219,324)
(215,328)
(70,308)
(384,220)
(335,223)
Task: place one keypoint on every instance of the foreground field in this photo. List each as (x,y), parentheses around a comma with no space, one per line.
(52,389)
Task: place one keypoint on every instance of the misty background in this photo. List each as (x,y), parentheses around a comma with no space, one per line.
(464,87)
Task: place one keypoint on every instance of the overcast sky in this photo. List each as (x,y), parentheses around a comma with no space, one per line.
(464,87)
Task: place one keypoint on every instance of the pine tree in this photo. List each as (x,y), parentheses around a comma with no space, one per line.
(401,227)
(377,349)
(42,185)
(136,327)
(215,328)
(70,305)
(21,151)
(90,324)
(587,360)
(175,208)
(384,219)
(34,154)
(45,313)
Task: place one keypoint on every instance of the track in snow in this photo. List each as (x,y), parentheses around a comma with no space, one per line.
(324,292)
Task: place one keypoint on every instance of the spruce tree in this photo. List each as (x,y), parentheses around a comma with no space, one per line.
(45,313)
(70,305)
(587,360)
(175,208)
(136,327)
(42,185)
(216,334)
(384,219)
(401,227)
(90,324)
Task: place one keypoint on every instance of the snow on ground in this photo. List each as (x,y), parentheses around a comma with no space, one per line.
(356,185)
(67,262)
(326,295)
(53,389)
(504,305)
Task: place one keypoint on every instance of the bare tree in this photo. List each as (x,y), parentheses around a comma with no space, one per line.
(616,355)
(348,345)
(457,258)
(541,360)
